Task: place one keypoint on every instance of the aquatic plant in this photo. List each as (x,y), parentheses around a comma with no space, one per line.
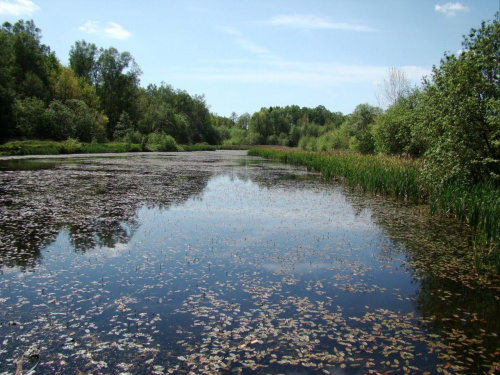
(380,175)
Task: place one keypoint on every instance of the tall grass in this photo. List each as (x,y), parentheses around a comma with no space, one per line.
(477,206)
(392,177)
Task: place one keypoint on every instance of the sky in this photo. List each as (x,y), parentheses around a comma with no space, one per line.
(247,54)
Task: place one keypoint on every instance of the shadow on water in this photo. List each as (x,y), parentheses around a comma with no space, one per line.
(216,263)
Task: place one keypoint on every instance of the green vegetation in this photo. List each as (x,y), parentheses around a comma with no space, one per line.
(69,146)
(450,125)
(381,175)
(96,99)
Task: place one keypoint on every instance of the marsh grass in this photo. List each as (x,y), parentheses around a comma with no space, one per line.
(385,176)
(72,146)
(476,206)
(69,146)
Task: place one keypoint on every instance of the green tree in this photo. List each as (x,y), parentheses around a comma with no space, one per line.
(358,126)
(244,121)
(7,91)
(398,131)
(32,61)
(462,101)
(31,118)
(117,84)
(62,125)
(123,127)
(88,124)
(83,59)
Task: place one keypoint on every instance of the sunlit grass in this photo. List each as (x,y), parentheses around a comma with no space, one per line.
(379,175)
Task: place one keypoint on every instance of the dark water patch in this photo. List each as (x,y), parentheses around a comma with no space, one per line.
(31,164)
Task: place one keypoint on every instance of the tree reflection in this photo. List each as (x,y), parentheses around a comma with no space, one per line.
(96,201)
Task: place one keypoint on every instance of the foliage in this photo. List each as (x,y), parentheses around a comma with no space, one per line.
(124,127)
(462,101)
(71,145)
(398,131)
(161,142)
(176,113)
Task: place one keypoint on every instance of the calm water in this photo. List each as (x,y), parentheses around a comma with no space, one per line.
(215,262)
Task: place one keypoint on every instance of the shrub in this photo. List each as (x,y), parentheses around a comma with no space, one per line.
(161,142)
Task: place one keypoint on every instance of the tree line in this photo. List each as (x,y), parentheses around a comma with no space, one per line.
(97,98)
(450,121)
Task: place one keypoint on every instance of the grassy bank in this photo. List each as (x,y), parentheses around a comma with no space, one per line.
(66,147)
(477,207)
(70,146)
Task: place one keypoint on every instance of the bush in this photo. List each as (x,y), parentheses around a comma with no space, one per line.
(161,142)
(69,146)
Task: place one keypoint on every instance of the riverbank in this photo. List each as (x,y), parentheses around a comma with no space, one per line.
(35,147)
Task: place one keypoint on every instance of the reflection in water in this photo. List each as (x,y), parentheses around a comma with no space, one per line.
(95,200)
(210,263)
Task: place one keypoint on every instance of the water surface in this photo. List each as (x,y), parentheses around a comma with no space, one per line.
(215,262)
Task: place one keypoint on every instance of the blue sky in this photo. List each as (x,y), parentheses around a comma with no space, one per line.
(244,55)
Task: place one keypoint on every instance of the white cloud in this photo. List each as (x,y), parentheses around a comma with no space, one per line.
(116,31)
(245,43)
(451,9)
(230,30)
(314,22)
(90,27)
(18,7)
(294,73)
(252,47)
(113,30)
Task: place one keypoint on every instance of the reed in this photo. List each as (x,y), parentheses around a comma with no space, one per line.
(385,176)
(477,206)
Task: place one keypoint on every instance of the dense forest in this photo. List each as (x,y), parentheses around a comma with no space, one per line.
(450,120)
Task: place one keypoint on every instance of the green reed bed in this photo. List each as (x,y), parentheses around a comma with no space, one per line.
(379,175)
(477,206)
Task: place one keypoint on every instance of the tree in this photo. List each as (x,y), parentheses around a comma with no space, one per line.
(359,125)
(123,127)
(7,91)
(243,121)
(32,61)
(31,118)
(462,119)
(398,130)
(83,59)
(117,84)
(393,87)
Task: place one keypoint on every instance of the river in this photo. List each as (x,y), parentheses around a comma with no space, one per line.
(216,262)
